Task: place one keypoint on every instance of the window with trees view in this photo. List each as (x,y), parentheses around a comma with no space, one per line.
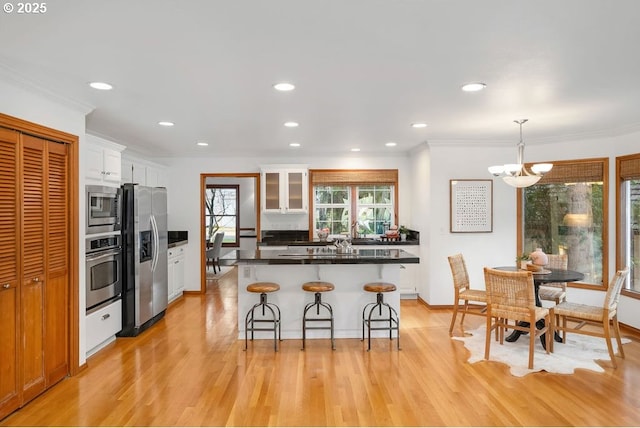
(354,201)
(221,212)
(565,213)
(628,225)
(373,206)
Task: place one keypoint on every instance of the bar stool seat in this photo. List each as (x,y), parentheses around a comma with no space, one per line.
(270,313)
(317,287)
(392,320)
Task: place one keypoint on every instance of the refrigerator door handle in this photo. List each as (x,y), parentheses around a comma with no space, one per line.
(156,244)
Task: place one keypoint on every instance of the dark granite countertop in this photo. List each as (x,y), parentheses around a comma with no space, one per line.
(177,237)
(359,241)
(321,256)
(177,243)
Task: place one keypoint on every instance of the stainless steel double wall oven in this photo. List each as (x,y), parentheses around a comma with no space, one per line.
(103,246)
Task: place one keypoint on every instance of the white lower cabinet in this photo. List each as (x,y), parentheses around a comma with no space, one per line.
(175,271)
(102,326)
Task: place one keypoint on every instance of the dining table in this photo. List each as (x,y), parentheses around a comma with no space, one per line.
(545,276)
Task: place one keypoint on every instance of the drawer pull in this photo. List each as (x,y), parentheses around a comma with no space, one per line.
(105,316)
(6,285)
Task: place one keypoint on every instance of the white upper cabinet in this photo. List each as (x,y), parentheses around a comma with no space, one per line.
(142,172)
(285,190)
(103,161)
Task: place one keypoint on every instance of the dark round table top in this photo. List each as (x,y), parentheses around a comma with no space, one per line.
(556,275)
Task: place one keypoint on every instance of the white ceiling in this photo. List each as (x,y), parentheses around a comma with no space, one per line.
(364,71)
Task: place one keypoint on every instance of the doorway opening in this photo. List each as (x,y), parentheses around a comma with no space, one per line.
(246,216)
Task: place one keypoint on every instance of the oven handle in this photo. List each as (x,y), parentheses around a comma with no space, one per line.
(102,255)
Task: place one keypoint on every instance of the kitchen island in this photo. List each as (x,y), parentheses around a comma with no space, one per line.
(290,268)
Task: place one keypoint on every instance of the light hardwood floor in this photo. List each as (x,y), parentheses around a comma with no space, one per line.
(190,370)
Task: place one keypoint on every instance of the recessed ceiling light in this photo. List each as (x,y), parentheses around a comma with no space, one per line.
(101,86)
(202,143)
(419,125)
(390,144)
(291,124)
(294,144)
(355,149)
(284,87)
(473,87)
(165,123)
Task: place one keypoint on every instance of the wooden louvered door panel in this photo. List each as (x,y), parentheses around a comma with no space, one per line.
(33,262)
(10,385)
(57,259)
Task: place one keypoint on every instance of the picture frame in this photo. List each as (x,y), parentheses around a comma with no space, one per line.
(471,206)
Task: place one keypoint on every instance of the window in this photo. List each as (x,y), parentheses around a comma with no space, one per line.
(628,224)
(221,212)
(333,209)
(565,212)
(332,205)
(347,202)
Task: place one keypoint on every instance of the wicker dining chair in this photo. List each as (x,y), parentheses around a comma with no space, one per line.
(511,296)
(555,291)
(605,316)
(463,291)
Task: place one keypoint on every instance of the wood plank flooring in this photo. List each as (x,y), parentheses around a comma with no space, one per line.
(190,370)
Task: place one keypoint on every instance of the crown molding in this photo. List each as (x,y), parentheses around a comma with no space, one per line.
(14,78)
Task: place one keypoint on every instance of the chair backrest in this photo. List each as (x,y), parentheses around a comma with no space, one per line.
(613,292)
(459,272)
(510,291)
(557,261)
(217,244)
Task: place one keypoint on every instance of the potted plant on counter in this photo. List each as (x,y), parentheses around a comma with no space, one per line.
(403,231)
(522,261)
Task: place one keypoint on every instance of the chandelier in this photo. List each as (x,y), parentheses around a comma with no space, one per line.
(515,174)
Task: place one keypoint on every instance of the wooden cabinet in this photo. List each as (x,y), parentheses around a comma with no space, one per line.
(34,266)
(103,162)
(285,191)
(175,271)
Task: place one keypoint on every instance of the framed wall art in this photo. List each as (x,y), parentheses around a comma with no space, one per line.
(471,206)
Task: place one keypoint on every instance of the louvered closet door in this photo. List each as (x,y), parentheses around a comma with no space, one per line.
(33,256)
(57,263)
(9,264)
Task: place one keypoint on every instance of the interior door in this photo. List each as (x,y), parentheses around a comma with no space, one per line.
(9,268)
(57,267)
(33,256)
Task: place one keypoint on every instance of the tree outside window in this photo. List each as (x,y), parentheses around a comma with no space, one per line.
(334,205)
(628,225)
(564,213)
(221,212)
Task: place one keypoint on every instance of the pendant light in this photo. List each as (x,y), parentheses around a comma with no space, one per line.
(515,174)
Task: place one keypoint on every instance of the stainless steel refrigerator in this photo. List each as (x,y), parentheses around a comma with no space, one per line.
(144,242)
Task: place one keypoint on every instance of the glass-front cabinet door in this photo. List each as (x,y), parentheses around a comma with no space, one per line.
(272,199)
(295,191)
(285,191)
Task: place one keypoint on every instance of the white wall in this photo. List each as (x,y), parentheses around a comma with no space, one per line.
(499,248)
(30,105)
(184,191)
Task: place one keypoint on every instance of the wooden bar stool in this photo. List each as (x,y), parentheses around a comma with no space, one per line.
(393,321)
(317,287)
(250,320)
